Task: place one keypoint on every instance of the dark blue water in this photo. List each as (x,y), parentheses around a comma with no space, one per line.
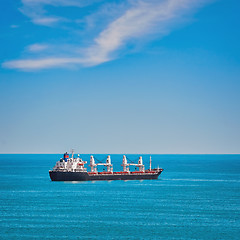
(196,197)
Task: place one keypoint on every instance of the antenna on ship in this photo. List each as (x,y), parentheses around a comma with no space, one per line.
(72,151)
(150,164)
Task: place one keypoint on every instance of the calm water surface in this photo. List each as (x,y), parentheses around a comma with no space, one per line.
(196,197)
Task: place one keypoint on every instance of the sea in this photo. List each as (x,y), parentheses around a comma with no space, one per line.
(195,197)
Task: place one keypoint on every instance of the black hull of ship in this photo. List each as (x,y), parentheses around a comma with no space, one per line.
(84,176)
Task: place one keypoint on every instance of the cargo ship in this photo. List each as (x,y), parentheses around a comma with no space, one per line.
(73,169)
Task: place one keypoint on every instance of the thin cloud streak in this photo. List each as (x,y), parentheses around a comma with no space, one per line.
(139,21)
(30,64)
(37,47)
(142,19)
(46,21)
(34,9)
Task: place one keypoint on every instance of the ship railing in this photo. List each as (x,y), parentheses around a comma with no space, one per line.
(59,169)
(80,170)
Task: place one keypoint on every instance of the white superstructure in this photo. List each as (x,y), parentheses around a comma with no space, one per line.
(70,164)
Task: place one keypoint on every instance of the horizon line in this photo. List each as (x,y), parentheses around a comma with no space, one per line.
(136,153)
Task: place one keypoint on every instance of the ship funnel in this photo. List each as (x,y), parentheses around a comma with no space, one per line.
(65,156)
(140,161)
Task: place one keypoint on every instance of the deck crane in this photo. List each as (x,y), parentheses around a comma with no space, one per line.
(126,165)
(94,165)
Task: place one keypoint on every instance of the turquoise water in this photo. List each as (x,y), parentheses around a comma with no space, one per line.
(196,197)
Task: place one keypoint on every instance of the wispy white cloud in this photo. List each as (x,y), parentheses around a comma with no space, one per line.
(141,19)
(34,9)
(76,3)
(37,47)
(46,21)
(14,26)
(35,64)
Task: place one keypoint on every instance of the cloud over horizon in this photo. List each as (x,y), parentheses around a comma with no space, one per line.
(137,21)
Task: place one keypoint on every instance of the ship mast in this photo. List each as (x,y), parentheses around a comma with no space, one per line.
(150,164)
(72,151)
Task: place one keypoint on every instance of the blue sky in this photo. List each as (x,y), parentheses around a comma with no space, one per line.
(156,76)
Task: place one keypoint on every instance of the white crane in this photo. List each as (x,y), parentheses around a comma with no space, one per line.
(126,165)
(94,165)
